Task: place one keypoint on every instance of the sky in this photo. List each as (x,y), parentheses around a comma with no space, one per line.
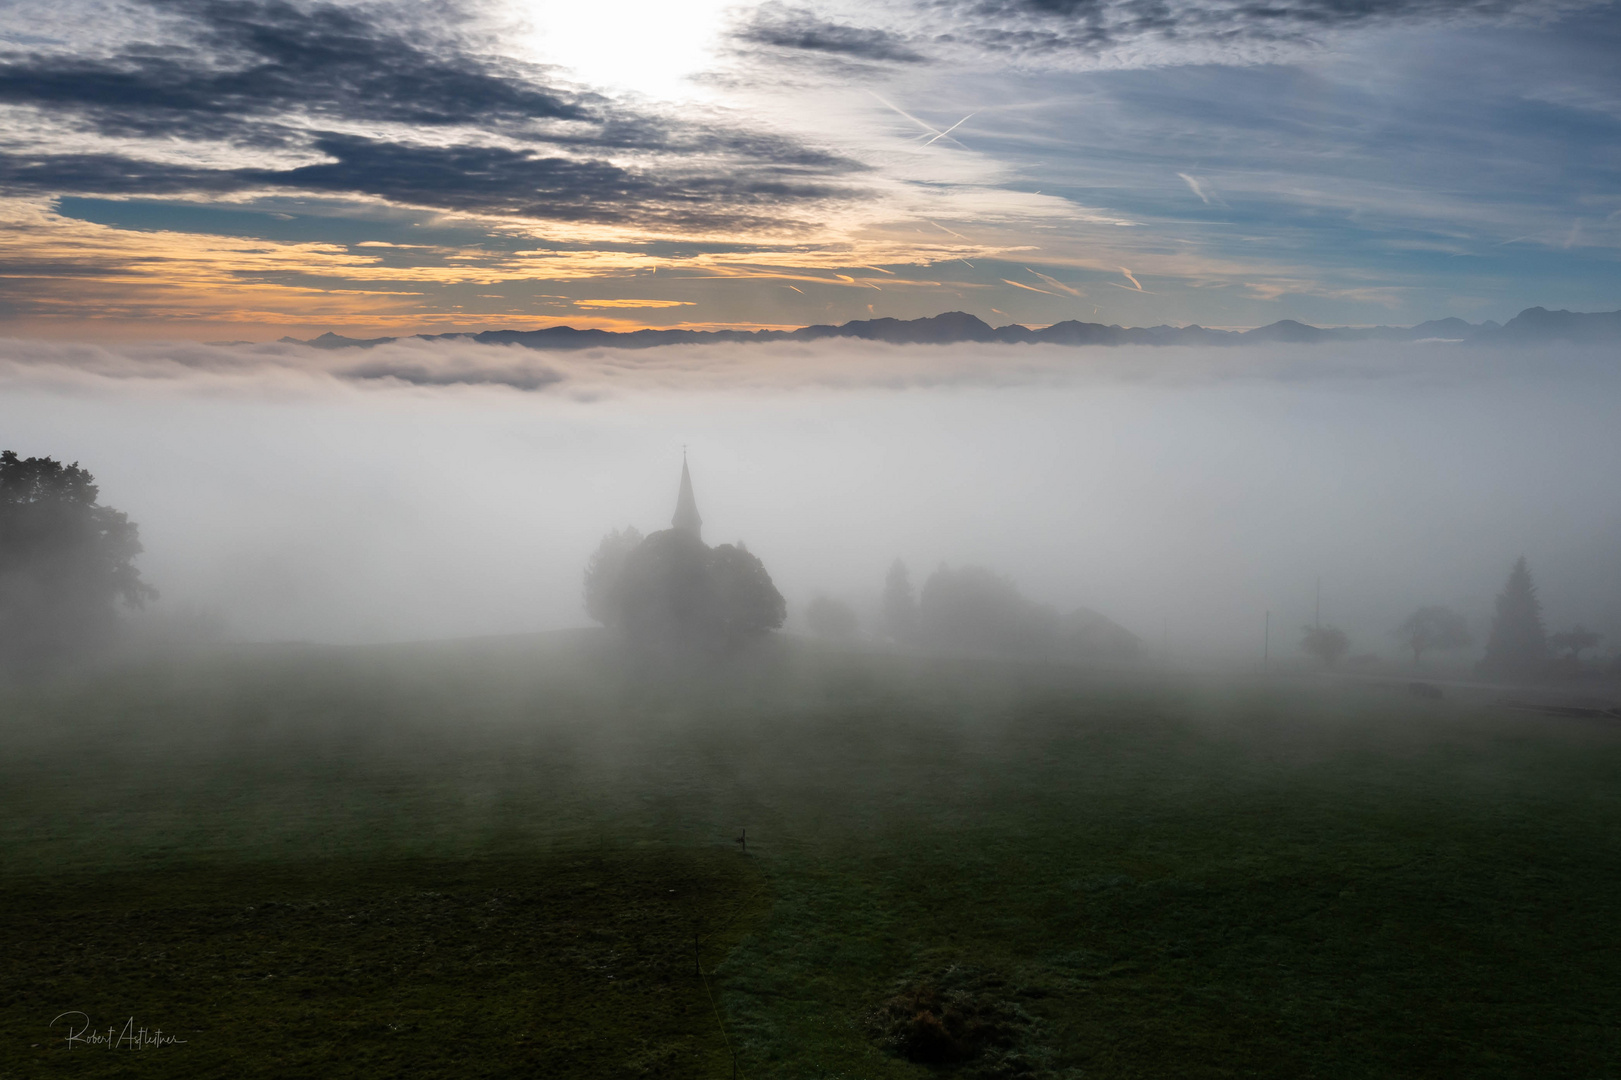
(238,170)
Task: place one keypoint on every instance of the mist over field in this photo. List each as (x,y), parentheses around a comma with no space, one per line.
(433,490)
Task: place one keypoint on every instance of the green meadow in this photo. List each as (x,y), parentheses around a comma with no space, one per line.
(521,857)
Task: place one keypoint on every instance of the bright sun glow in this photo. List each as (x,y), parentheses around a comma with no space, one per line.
(637,45)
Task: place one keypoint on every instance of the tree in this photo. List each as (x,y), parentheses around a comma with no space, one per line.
(1091,635)
(744,603)
(900,603)
(66,562)
(1437,628)
(671,589)
(974,609)
(1518,645)
(1326,643)
(831,618)
(605,571)
(1575,641)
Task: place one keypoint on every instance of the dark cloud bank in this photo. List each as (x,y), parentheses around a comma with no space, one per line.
(1055,30)
(284,78)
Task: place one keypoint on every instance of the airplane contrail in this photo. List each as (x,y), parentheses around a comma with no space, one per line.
(930,128)
(1131,279)
(949,130)
(1055,283)
(1032,288)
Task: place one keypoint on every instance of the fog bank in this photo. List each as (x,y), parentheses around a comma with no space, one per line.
(434,490)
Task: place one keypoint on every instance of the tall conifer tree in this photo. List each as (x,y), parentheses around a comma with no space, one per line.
(1519,643)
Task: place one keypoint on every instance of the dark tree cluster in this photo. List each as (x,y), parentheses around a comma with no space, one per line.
(671,590)
(1326,643)
(1519,646)
(972,609)
(66,563)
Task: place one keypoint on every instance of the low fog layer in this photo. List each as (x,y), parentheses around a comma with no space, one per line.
(439,490)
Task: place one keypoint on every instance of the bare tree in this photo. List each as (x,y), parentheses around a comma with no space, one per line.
(1432,628)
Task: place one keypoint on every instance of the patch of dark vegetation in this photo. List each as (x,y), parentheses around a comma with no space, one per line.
(961,1020)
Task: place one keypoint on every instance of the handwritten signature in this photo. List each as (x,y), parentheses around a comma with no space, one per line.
(130,1038)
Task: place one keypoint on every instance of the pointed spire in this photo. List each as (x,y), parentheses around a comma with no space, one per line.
(686,507)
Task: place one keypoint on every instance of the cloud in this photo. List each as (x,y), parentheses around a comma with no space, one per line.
(342,101)
(633,303)
(1055,283)
(1030,288)
(1153,32)
(799,30)
(261,59)
(418,125)
(594,374)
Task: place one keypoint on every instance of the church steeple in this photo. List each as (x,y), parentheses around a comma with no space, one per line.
(686,507)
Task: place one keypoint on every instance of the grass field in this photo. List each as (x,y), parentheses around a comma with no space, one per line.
(505,858)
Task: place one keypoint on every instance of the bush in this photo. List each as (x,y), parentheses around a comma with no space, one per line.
(952,1018)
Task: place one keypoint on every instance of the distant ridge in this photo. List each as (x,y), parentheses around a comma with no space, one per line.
(1531,326)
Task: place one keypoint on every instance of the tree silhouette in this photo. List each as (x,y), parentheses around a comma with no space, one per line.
(1575,641)
(1326,643)
(65,562)
(1518,645)
(974,609)
(670,589)
(900,603)
(1437,628)
(744,602)
(605,571)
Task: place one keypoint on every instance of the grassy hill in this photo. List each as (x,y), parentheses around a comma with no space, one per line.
(510,857)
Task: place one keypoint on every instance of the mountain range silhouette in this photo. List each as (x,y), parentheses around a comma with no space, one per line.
(1532,326)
